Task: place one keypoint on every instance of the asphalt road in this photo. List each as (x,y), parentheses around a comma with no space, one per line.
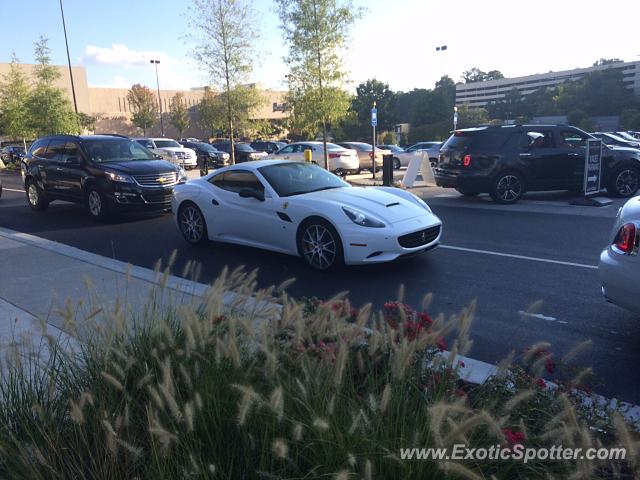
(476,261)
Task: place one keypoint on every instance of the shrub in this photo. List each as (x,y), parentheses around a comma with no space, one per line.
(311,390)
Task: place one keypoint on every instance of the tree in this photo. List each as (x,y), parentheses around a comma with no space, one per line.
(211,112)
(374,91)
(143,105)
(225,49)
(476,75)
(49,108)
(606,61)
(86,122)
(178,113)
(14,100)
(471,117)
(316,31)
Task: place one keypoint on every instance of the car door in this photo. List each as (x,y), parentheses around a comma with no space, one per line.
(575,142)
(547,165)
(239,219)
(52,167)
(70,172)
(286,152)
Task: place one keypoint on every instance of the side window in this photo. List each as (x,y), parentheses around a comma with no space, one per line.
(39,148)
(55,150)
(217,180)
(288,149)
(146,143)
(236,180)
(71,152)
(573,139)
(540,139)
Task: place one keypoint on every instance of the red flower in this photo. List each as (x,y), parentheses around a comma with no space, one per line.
(461,363)
(549,364)
(514,438)
(541,383)
(442,344)
(424,319)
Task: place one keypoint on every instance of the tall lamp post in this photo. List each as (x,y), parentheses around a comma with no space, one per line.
(73,88)
(441,49)
(156,62)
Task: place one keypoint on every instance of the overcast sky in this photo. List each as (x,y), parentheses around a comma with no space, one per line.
(394,41)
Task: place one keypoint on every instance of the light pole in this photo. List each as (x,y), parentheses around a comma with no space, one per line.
(73,88)
(442,49)
(156,62)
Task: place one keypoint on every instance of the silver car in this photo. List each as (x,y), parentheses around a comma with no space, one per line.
(619,267)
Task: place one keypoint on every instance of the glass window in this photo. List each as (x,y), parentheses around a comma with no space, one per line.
(146,143)
(39,148)
(573,138)
(297,178)
(71,152)
(167,144)
(55,150)
(116,150)
(236,180)
(541,139)
(288,149)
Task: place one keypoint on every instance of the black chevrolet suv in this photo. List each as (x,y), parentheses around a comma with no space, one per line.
(507,161)
(104,172)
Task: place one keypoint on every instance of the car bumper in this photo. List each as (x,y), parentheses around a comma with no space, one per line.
(466,180)
(619,278)
(364,245)
(349,165)
(143,199)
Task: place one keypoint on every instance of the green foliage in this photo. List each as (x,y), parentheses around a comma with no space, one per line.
(476,75)
(179,113)
(14,100)
(212,112)
(226,35)
(371,91)
(143,105)
(388,138)
(316,32)
(49,109)
(607,61)
(85,121)
(471,117)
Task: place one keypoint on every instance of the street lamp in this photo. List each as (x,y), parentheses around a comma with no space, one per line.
(156,62)
(441,49)
(73,88)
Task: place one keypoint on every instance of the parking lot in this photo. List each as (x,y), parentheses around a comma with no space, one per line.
(506,257)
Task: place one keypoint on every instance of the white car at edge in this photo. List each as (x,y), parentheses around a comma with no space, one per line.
(301,209)
(171,151)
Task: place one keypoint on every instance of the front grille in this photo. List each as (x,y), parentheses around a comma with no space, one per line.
(157,199)
(157,179)
(419,238)
(183,155)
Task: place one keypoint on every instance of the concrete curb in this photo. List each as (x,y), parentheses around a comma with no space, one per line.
(474,371)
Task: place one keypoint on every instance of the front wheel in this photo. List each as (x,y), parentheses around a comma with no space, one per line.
(624,182)
(507,187)
(97,204)
(319,245)
(192,224)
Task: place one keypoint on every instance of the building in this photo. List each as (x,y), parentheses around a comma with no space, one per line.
(113,113)
(479,94)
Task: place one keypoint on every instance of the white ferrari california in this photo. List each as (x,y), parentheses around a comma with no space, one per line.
(301,209)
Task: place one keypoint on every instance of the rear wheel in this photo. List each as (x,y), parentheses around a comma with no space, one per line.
(35,197)
(319,245)
(507,187)
(192,224)
(624,181)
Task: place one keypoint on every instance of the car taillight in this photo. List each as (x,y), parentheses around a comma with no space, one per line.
(626,240)
(371,155)
(335,155)
(466,161)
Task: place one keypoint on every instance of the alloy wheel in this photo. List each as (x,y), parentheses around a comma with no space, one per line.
(509,188)
(319,247)
(95,203)
(627,182)
(192,224)
(32,193)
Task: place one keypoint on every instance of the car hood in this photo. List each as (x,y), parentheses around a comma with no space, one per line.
(386,206)
(140,167)
(175,149)
(630,211)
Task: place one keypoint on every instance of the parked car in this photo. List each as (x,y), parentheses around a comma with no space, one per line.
(12,153)
(300,209)
(626,136)
(506,161)
(190,139)
(616,140)
(433,148)
(209,153)
(243,151)
(267,146)
(171,150)
(401,158)
(619,267)
(365,152)
(106,173)
(342,161)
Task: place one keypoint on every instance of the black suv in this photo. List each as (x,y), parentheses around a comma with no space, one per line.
(267,146)
(208,153)
(243,151)
(103,172)
(506,161)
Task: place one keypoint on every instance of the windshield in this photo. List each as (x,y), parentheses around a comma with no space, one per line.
(243,147)
(362,146)
(333,146)
(167,144)
(297,178)
(626,136)
(116,150)
(205,146)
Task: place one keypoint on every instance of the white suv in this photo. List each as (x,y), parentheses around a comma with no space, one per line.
(171,150)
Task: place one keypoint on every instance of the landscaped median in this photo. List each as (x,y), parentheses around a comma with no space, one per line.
(309,390)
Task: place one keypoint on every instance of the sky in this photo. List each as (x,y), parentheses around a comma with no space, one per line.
(394,41)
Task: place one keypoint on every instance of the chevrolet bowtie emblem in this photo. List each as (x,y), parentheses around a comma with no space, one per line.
(162,179)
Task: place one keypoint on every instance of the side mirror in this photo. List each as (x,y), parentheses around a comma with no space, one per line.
(251,193)
(158,157)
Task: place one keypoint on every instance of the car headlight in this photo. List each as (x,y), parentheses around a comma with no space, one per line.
(119,177)
(362,219)
(182,175)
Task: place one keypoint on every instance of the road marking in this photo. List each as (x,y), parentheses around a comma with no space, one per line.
(13,190)
(520,257)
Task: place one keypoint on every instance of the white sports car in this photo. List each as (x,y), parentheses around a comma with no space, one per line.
(301,209)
